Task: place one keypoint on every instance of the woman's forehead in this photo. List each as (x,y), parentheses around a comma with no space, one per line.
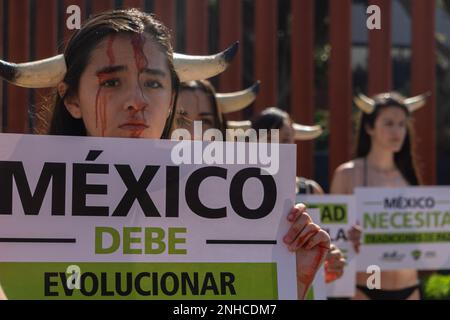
(127,49)
(393,112)
(195,102)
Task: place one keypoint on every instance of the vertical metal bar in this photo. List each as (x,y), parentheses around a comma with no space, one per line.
(46,33)
(18,51)
(423,70)
(340,83)
(197,26)
(266,53)
(380,64)
(230,30)
(99,6)
(139,4)
(165,11)
(302,78)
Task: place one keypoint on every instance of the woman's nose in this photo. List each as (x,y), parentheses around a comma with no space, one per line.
(136,100)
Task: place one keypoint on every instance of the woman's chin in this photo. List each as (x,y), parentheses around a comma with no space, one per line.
(143,134)
(396,149)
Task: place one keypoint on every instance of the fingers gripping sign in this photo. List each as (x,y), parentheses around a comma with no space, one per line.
(354,235)
(334,264)
(310,243)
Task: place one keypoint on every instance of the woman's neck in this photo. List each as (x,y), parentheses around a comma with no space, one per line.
(381,159)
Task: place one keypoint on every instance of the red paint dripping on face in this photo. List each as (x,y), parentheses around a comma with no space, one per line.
(109,50)
(138,42)
(100,100)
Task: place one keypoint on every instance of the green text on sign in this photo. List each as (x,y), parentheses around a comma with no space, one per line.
(49,280)
(407,237)
(332,213)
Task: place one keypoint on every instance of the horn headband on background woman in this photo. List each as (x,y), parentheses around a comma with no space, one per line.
(368,105)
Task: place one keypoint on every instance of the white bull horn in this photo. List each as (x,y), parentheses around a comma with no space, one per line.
(244,125)
(235,101)
(366,104)
(37,74)
(417,102)
(303,132)
(191,68)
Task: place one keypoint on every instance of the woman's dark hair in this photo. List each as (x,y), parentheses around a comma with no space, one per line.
(206,87)
(405,158)
(77,55)
(270,118)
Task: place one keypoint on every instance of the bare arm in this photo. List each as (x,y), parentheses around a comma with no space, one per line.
(342,183)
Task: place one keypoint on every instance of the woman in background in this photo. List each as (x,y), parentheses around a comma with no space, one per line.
(384,158)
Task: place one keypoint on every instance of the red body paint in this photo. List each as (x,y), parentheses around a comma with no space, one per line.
(100,100)
(307,276)
(138,42)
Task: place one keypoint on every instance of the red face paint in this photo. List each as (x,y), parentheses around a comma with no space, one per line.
(100,100)
(138,42)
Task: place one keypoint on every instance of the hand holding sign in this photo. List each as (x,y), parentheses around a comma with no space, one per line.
(311,245)
(354,235)
(334,264)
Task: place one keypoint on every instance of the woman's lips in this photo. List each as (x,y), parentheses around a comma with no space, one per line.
(133,126)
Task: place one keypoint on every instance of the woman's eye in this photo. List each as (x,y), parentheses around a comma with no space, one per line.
(110,83)
(153,84)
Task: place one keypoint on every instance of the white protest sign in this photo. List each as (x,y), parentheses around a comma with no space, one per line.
(107,218)
(336,215)
(318,289)
(404,227)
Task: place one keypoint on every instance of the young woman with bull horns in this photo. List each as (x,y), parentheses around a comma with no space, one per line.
(384,159)
(199,101)
(119,77)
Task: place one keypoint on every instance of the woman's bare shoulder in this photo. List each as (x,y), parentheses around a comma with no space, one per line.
(350,167)
(344,176)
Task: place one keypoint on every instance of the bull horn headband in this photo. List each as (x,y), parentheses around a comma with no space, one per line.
(367,105)
(235,101)
(303,132)
(49,72)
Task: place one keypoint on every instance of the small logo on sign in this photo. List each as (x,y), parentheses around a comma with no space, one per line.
(392,256)
(416,254)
